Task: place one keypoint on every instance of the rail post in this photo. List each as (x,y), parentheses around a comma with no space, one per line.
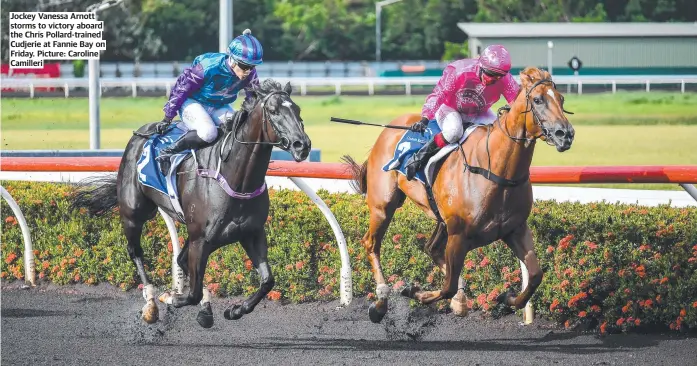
(691,190)
(528,312)
(346,285)
(29,270)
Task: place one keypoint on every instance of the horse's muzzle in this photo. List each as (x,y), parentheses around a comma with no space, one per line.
(562,135)
(300,149)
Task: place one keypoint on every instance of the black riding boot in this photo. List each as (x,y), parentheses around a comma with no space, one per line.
(190,140)
(418,160)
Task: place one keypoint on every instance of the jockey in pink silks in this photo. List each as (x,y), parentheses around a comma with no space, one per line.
(464,95)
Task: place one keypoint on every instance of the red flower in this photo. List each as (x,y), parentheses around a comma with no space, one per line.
(484,262)
(582,314)
(620,321)
(565,242)
(469,264)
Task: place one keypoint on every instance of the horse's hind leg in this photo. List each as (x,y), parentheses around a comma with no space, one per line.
(383,199)
(132,222)
(521,242)
(197,258)
(435,248)
(257,249)
(455,252)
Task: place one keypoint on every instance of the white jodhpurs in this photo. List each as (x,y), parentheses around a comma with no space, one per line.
(205,120)
(452,127)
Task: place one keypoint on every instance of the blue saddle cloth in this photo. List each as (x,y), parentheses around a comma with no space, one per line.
(149,172)
(407,146)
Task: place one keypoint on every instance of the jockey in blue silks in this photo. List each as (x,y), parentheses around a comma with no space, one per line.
(204,91)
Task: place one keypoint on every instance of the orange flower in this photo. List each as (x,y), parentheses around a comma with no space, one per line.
(274,295)
(637,322)
(620,321)
(582,314)
(10,258)
(603,328)
(554,305)
(683,313)
(248,264)
(299,265)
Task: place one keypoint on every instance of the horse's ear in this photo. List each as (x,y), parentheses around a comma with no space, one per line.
(288,89)
(526,76)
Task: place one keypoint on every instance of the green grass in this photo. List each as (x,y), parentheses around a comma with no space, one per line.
(611,129)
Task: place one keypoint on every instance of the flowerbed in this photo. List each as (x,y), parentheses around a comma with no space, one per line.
(607,266)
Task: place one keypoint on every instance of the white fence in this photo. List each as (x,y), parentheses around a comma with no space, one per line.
(135,85)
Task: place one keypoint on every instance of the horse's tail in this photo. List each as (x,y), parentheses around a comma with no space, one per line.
(96,194)
(360,176)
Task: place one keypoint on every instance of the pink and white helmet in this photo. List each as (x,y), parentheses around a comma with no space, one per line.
(495,58)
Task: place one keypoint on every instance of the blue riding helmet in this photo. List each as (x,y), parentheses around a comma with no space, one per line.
(246,49)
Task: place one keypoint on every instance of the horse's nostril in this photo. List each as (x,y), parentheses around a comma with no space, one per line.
(297,145)
(560,134)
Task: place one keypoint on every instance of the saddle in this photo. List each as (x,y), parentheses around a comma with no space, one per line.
(159,136)
(410,143)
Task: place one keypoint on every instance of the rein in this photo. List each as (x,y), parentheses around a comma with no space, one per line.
(215,174)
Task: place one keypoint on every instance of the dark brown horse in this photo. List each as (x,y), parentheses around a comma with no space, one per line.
(482,192)
(216,214)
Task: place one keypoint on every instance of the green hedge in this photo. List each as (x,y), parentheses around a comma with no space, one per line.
(609,267)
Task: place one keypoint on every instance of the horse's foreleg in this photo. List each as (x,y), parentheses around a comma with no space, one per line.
(380,217)
(133,230)
(257,249)
(521,242)
(455,252)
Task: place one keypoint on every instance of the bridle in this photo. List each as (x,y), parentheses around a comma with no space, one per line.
(487,173)
(265,120)
(535,116)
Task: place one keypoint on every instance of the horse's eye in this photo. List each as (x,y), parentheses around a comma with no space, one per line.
(537,100)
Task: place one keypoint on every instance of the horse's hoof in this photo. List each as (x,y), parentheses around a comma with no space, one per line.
(150,312)
(375,314)
(233,313)
(165,298)
(506,298)
(459,308)
(205,319)
(409,291)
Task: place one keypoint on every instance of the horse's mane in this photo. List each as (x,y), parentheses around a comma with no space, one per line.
(259,92)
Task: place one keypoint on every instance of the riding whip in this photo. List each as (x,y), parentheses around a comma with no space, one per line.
(354,122)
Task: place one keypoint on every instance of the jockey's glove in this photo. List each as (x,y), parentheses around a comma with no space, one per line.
(420,126)
(162,125)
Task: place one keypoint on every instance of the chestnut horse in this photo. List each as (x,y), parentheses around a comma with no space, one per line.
(482,192)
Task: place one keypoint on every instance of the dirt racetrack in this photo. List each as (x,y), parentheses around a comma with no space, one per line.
(81,325)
